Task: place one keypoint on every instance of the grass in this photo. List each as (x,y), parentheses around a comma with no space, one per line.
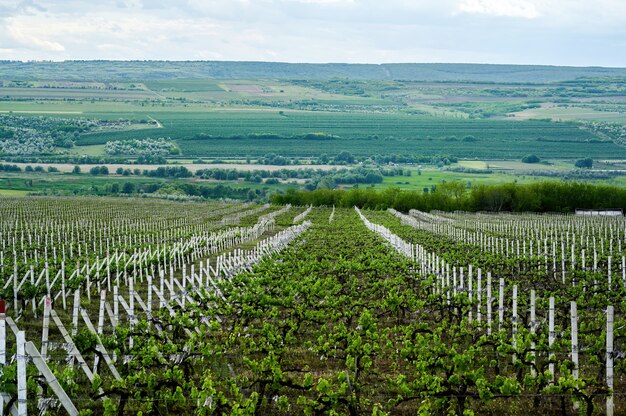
(430,178)
(75,94)
(512,166)
(572,113)
(12,192)
(194,85)
(93,150)
(23,183)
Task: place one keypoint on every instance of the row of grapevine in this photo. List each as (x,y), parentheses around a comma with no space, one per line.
(260,310)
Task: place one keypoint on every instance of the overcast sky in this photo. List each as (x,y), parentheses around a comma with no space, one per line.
(554,32)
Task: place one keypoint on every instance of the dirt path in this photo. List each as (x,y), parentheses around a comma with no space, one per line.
(158,123)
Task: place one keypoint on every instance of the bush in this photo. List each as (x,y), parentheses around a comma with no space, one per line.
(128,188)
(531,159)
(344,157)
(549,196)
(99,170)
(586,163)
(10,168)
(144,147)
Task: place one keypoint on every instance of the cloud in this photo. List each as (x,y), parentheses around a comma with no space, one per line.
(324,2)
(29,38)
(508,8)
(586,32)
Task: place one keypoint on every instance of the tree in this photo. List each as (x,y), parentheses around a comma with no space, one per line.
(586,163)
(128,188)
(344,157)
(531,159)
(99,170)
(326,183)
(76,170)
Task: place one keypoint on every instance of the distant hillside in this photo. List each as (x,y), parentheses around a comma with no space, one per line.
(150,70)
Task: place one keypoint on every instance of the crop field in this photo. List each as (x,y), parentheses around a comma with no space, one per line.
(135,306)
(62,183)
(183,85)
(432,178)
(359,133)
(476,131)
(365,134)
(74,94)
(572,113)
(213,117)
(67,184)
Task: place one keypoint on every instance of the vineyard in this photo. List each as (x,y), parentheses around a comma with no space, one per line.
(129,306)
(232,133)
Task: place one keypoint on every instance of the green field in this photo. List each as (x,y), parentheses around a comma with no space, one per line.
(368,118)
(572,113)
(484,117)
(367,134)
(362,133)
(430,178)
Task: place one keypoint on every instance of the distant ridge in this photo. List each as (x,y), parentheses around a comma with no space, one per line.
(149,70)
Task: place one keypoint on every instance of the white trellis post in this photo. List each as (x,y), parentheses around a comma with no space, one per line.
(47,305)
(21,374)
(514,330)
(533,329)
(470,287)
(501,305)
(609,359)
(551,336)
(479,296)
(574,325)
(3,335)
(489,299)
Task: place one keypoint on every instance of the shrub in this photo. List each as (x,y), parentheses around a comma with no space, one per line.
(586,163)
(531,159)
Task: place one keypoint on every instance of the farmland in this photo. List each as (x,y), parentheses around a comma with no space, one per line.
(214,132)
(469,123)
(132,306)
(161,302)
(364,135)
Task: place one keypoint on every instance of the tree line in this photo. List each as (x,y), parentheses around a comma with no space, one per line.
(548,196)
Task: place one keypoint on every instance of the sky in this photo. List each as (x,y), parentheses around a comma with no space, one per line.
(549,32)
